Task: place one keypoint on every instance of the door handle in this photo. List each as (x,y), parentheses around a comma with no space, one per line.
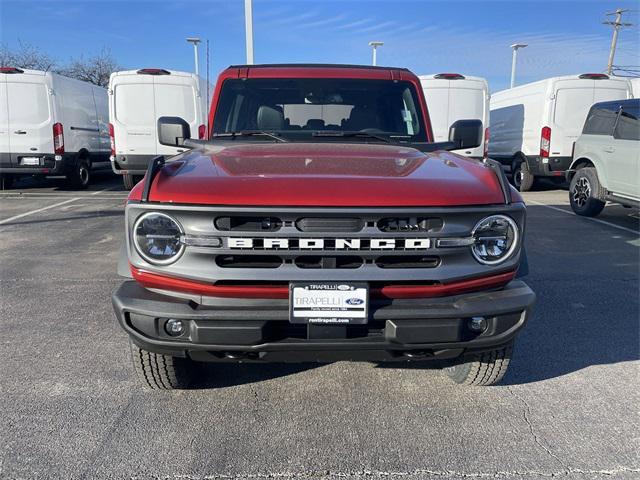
(20,132)
(609,149)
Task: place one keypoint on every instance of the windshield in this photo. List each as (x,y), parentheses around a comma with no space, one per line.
(300,108)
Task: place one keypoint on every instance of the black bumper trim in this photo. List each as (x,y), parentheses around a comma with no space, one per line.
(436,323)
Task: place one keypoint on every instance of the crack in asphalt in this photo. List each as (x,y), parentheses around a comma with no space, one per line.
(526,414)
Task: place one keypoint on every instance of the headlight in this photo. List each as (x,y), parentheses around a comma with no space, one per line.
(495,239)
(156,237)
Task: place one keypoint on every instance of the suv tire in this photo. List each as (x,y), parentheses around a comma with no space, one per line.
(586,195)
(80,176)
(161,372)
(522,178)
(486,368)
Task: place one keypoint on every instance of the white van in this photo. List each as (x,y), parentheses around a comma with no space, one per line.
(51,125)
(635,87)
(137,99)
(451,97)
(534,126)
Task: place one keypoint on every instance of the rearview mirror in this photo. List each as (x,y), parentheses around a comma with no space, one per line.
(173,131)
(466,134)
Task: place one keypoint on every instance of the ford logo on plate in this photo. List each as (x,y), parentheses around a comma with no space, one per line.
(355,301)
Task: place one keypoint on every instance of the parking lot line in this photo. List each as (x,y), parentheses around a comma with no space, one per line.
(31,212)
(597,220)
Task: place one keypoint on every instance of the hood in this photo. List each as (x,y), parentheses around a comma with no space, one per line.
(324,175)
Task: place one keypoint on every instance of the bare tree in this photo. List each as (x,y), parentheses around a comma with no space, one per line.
(26,56)
(94,69)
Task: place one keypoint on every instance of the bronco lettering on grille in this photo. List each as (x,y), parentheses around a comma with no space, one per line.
(329,243)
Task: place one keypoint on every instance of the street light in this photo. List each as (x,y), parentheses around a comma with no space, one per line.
(195,41)
(375,46)
(248,30)
(515,48)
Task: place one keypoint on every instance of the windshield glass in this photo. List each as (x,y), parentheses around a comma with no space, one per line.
(300,108)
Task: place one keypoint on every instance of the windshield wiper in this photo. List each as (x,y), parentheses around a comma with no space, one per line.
(248,133)
(359,133)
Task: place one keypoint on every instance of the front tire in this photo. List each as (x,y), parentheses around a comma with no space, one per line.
(522,177)
(586,195)
(80,177)
(486,368)
(161,372)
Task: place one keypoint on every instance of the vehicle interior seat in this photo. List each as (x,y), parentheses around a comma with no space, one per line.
(270,118)
(314,124)
(361,118)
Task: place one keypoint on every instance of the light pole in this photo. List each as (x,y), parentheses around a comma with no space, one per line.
(195,41)
(375,46)
(248,30)
(515,48)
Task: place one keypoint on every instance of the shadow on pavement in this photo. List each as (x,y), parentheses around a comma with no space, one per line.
(223,374)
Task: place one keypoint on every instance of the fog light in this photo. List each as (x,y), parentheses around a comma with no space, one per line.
(478,324)
(174,327)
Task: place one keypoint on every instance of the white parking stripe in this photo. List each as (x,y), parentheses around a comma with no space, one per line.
(26,214)
(597,220)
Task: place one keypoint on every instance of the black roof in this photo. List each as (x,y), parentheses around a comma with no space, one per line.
(317,65)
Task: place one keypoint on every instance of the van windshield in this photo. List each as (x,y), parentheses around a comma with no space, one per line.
(299,108)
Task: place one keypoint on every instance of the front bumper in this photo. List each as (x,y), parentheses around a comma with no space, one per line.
(253,329)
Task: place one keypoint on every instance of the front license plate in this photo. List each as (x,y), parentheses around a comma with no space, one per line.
(329,303)
(31,161)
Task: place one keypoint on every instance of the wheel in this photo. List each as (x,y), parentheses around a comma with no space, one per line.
(522,178)
(161,372)
(485,368)
(130,181)
(6,180)
(80,176)
(586,195)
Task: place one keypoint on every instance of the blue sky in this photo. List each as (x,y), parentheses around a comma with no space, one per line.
(471,37)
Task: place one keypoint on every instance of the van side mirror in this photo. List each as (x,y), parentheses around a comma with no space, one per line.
(466,134)
(173,131)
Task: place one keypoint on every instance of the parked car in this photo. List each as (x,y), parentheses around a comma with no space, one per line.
(137,98)
(51,125)
(451,97)
(534,126)
(606,158)
(319,222)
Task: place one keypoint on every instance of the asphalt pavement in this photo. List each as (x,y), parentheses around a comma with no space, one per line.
(72,407)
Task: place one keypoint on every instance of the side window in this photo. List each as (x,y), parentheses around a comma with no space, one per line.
(601,120)
(628,127)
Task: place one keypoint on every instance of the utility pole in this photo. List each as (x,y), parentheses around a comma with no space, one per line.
(375,45)
(248,27)
(195,41)
(514,56)
(614,40)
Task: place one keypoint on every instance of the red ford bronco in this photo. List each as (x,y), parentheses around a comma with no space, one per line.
(320,222)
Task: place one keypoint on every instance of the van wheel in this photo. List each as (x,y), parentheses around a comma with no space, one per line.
(522,178)
(130,181)
(161,372)
(586,195)
(80,176)
(486,368)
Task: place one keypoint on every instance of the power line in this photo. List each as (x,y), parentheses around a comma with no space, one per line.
(616,24)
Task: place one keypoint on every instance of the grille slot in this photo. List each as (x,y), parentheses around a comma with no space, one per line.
(317,261)
(410,224)
(248,261)
(408,261)
(330,224)
(242,223)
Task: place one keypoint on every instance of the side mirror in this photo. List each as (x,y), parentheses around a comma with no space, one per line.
(173,131)
(466,134)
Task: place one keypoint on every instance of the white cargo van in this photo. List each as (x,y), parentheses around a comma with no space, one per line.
(137,99)
(451,97)
(534,126)
(51,125)
(635,87)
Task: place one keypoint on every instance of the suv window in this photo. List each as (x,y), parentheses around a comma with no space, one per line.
(628,127)
(601,120)
(298,107)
